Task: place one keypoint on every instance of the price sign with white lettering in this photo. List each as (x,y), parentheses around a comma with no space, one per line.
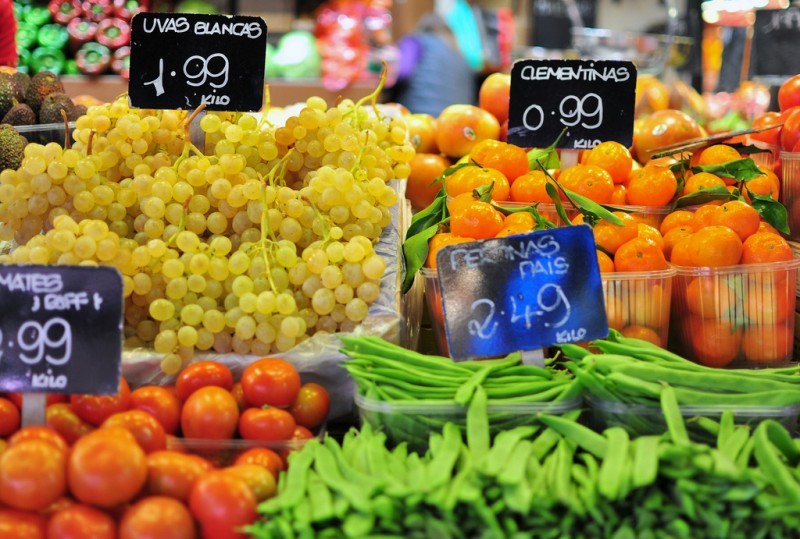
(593,99)
(521,292)
(60,329)
(180,60)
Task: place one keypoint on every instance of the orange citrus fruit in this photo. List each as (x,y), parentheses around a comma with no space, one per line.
(652,186)
(612,157)
(765,247)
(639,254)
(442,239)
(420,186)
(715,246)
(739,216)
(509,159)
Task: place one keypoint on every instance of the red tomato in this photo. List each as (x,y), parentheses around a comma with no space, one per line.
(32,475)
(161,403)
(94,409)
(310,408)
(81,522)
(157,517)
(22,525)
(58,505)
(238,394)
(202,374)
(107,467)
(770,136)
(52,398)
(145,428)
(173,474)
(9,418)
(790,132)
(63,420)
(300,434)
(40,433)
(210,412)
(222,503)
(266,424)
(264,457)
(789,93)
(270,381)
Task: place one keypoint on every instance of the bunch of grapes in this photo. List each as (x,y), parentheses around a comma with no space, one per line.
(250,244)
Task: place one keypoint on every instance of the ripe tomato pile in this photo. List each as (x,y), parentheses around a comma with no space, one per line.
(122,465)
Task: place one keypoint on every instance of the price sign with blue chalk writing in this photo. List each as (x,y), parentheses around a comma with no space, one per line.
(60,329)
(181,60)
(593,99)
(521,292)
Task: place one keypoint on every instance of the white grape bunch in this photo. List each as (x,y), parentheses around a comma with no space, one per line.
(250,245)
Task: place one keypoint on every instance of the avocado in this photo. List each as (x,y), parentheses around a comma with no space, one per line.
(20,114)
(77,111)
(7,99)
(43,84)
(50,110)
(22,82)
(12,146)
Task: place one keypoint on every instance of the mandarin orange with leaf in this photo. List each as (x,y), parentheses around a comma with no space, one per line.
(739,216)
(652,186)
(531,187)
(479,220)
(469,178)
(509,159)
(590,181)
(610,236)
(440,240)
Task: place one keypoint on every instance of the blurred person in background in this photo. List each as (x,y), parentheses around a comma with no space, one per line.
(433,72)
(8,33)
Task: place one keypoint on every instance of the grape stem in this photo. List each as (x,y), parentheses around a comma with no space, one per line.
(373,97)
(187,136)
(182,224)
(265,109)
(67,139)
(89,143)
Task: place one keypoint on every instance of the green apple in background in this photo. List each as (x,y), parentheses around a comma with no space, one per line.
(197,6)
(296,57)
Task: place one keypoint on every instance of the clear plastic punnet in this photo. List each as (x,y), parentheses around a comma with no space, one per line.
(735,316)
(790,190)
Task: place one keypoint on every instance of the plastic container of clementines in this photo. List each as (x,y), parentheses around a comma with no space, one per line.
(790,190)
(735,316)
(638,303)
(770,159)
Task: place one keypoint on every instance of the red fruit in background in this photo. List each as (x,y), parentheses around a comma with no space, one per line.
(270,381)
(94,409)
(173,474)
(210,412)
(9,418)
(159,402)
(202,374)
(461,127)
(106,467)
(310,408)
(790,132)
(268,424)
(494,95)
(770,136)
(39,433)
(63,420)
(157,517)
(789,93)
(145,428)
(663,128)
(222,503)
(79,521)
(262,456)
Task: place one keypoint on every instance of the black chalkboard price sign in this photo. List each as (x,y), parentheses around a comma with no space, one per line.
(521,292)
(776,35)
(60,329)
(180,60)
(593,99)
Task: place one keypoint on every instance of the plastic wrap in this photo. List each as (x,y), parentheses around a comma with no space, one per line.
(393,317)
